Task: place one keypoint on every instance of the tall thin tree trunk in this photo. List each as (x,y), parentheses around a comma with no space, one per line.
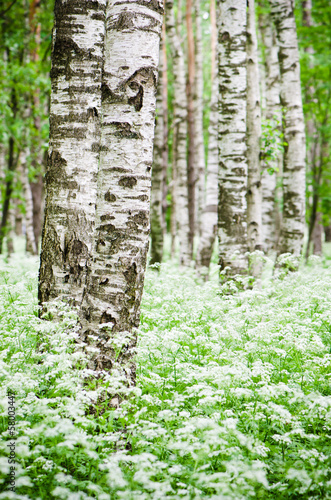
(327,232)
(209,213)
(254,198)
(31,246)
(191,158)
(273,114)
(294,182)
(165,151)
(232,204)
(8,191)
(38,156)
(199,150)
(114,290)
(317,235)
(157,173)
(71,179)
(180,138)
(314,153)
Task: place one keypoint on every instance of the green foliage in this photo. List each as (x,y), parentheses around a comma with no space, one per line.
(232,401)
(271,144)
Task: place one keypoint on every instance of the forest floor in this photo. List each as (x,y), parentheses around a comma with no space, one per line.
(233,395)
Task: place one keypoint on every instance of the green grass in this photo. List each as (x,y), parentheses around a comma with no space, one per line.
(233,397)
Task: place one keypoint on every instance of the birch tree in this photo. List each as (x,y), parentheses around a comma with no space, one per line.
(273,115)
(209,212)
(191,123)
(180,192)
(254,199)
(199,150)
(232,205)
(158,173)
(292,229)
(111,304)
(77,61)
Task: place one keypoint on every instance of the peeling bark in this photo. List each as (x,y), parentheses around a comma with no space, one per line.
(292,229)
(232,204)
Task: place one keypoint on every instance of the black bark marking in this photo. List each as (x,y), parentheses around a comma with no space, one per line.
(76,256)
(56,168)
(110,197)
(127,181)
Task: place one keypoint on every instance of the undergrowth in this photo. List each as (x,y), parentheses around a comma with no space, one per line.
(232,401)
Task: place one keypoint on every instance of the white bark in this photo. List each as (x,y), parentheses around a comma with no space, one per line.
(77,57)
(254,198)
(232,206)
(273,113)
(198,119)
(209,214)
(121,233)
(292,230)
(31,245)
(157,173)
(180,137)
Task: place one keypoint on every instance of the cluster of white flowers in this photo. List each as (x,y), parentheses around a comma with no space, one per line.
(233,396)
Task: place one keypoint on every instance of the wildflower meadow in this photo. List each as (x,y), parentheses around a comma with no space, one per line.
(232,400)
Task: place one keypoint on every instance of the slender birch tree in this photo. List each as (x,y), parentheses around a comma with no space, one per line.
(199,150)
(158,173)
(273,115)
(232,204)
(180,191)
(165,150)
(191,123)
(292,229)
(111,304)
(209,212)
(77,61)
(254,198)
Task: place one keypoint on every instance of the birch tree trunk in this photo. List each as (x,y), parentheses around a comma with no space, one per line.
(111,303)
(165,151)
(31,245)
(157,173)
(209,213)
(232,205)
(292,229)
(273,113)
(199,150)
(191,158)
(180,138)
(77,57)
(254,198)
